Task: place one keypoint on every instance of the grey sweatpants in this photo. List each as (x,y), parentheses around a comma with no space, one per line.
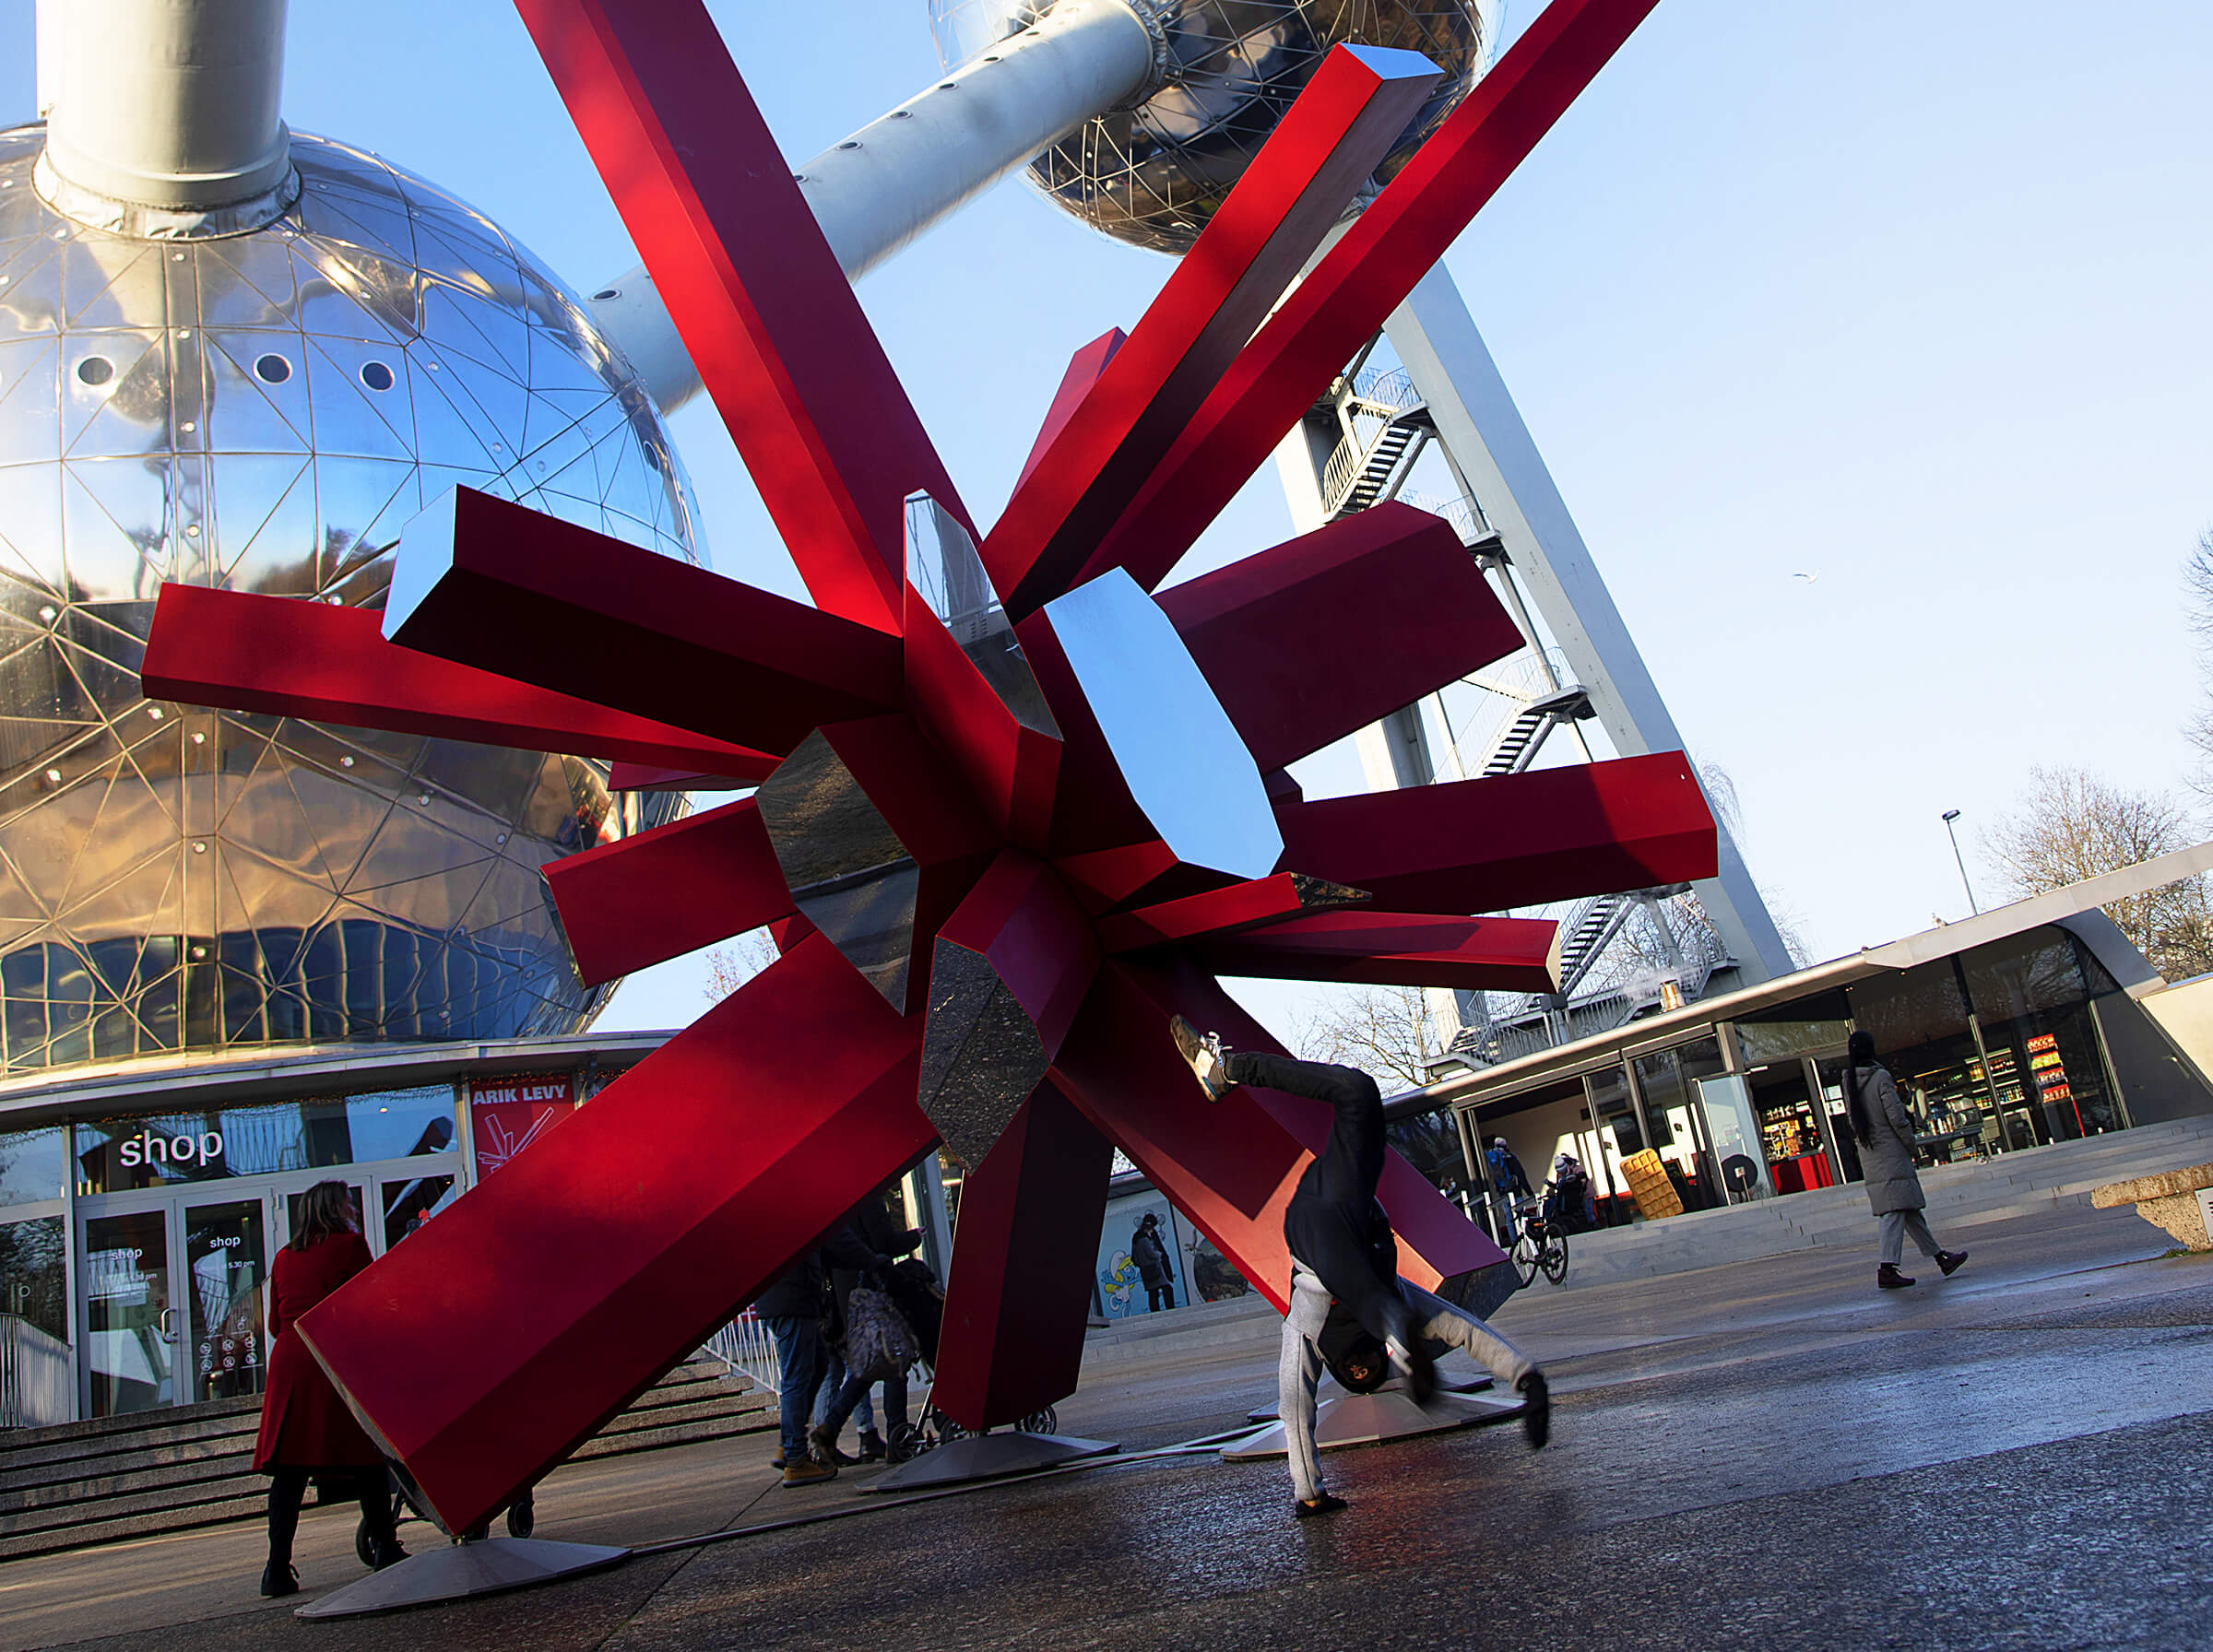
(1299,1369)
(1897,1224)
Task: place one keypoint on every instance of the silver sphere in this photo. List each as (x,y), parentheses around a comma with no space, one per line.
(1154,174)
(264,412)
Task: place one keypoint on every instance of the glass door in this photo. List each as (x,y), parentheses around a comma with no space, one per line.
(130,1324)
(226,1260)
(173,1300)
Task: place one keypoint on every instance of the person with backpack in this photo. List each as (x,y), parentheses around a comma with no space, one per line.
(1350,1311)
(793,1309)
(1884,1130)
(871,1225)
(1572,1203)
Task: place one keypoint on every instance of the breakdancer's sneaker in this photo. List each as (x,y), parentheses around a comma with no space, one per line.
(1209,1060)
(1536,1408)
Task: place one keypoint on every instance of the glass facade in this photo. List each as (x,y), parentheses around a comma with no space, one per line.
(264,413)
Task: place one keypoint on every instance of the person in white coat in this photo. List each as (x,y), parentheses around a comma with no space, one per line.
(1885,1131)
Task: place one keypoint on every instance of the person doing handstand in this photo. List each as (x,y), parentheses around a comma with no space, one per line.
(1350,1310)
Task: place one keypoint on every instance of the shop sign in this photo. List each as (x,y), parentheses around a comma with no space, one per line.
(146,1148)
(507,1115)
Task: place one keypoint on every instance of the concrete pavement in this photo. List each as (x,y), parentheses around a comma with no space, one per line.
(1768,1454)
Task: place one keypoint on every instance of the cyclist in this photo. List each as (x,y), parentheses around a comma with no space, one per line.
(1350,1310)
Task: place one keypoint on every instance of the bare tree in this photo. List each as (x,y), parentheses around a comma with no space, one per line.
(2197,584)
(731,966)
(1387,1031)
(2069,825)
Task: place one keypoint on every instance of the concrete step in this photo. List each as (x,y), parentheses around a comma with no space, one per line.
(85,1483)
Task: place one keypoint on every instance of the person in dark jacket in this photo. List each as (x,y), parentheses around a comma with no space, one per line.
(1885,1132)
(1150,1252)
(305,1427)
(792,1308)
(842,1395)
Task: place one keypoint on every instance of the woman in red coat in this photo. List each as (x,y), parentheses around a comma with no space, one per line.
(305,1427)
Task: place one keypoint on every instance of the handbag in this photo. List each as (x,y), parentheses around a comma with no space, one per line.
(879,1342)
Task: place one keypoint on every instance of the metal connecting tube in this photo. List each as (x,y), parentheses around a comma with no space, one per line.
(164,115)
(885,185)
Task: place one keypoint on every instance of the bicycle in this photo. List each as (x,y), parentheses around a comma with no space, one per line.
(1541,1246)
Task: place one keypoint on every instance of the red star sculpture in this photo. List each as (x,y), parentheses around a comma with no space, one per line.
(1011,811)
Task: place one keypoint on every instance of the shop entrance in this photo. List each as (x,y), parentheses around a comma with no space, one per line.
(174,1302)
(173,1307)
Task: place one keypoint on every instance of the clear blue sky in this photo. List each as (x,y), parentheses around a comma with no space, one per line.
(1914,297)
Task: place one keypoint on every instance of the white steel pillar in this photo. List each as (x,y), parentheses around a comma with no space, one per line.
(1497,463)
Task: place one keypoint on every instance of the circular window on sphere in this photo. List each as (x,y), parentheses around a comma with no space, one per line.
(272,370)
(95,370)
(376,375)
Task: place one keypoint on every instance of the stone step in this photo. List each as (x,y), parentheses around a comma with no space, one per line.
(81,1484)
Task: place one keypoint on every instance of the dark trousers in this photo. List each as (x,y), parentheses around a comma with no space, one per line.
(854,1391)
(1331,1223)
(287,1490)
(1159,1296)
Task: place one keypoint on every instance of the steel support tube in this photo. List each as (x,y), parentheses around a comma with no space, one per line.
(878,190)
(168,105)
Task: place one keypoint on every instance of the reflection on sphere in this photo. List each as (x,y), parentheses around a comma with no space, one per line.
(264,412)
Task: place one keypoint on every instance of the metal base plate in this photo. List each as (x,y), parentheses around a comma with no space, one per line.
(456,1571)
(1388,1413)
(988,1456)
(1267,1413)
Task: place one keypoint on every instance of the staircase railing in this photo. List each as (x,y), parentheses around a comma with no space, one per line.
(745,1346)
(38,1379)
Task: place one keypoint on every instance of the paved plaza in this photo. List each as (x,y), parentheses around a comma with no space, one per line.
(1768,1454)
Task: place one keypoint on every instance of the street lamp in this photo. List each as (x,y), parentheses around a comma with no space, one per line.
(1949,816)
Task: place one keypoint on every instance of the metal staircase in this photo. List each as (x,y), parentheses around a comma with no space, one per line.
(1384,423)
(1516,747)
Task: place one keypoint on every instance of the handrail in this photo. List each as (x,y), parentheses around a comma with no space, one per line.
(38,1379)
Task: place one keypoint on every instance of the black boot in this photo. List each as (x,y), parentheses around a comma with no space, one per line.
(1888,1278)
(871,1446)
(278,1578)
(1536,1409)
(1948,1262)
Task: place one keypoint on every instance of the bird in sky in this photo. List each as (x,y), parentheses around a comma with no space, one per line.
(1809,578)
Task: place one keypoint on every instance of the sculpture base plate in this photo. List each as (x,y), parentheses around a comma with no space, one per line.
(988,1456)
(456,1571)
(1390,1413)
(1482,1384)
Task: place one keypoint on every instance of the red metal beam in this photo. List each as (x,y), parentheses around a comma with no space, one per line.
(284,656)
(491,583)
(1083,370)
(492,1343)
(614,901)
(1296,188)
(799,378)
(1018,1293)
(1520,840)
(1287,638)
(1365,277)
(1215,912)
(1389,948)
